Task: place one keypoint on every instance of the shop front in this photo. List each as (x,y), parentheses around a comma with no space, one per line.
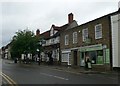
(98,54)
(66,57)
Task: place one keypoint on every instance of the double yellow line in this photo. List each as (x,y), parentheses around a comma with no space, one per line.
(9,80)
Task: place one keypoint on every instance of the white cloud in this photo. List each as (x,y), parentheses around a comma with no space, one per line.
(59,0)
(42,14)
(0,24)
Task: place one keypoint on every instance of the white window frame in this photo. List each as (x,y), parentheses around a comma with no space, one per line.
(98,33)
(84,34)
(65,57)
(66,39)
(74,37)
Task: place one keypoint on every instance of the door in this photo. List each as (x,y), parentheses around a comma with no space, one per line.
(75,57)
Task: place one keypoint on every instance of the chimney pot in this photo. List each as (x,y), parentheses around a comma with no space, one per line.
(37,32)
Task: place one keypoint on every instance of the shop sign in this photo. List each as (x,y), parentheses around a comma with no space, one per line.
(88,41)
(91,48)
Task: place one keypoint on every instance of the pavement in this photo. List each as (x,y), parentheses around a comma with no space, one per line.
(80,70)
(76,70)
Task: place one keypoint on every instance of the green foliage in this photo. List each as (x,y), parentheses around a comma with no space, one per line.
(24,42)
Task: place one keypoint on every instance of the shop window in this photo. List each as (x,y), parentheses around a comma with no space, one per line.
(93,57)
(82,60)
(96,57)
(64,57)
(100,57)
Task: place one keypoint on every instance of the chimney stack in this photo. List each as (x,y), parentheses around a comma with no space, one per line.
(37,32)
(70,18)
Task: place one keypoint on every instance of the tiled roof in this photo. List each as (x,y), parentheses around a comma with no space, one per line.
(56,27)
(45,35)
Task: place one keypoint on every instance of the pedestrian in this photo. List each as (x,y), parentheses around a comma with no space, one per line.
(87,63)
(15,61)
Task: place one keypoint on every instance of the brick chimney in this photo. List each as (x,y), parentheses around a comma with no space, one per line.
(70,18)
(37,32)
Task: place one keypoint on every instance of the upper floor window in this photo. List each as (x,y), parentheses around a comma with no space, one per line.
(85,34)
(74,37)
(66,39)
(98,31)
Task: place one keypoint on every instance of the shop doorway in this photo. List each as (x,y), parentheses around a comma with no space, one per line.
(75,57)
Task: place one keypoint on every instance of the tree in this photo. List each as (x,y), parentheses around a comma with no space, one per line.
(24,42)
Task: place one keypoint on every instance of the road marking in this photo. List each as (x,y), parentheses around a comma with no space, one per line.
(8,79)
(62,70)
(54,76)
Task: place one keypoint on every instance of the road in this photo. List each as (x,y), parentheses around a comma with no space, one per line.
(31,74)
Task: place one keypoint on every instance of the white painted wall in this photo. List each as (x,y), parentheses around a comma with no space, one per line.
(114,26)
(119,39)
(57,40)
(55,31)
(51,31)
(52,41)
(43,56)
(22,56)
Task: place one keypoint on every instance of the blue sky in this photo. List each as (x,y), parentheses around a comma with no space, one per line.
(41,14)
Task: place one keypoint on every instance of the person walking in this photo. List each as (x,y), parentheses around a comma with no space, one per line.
(87,62)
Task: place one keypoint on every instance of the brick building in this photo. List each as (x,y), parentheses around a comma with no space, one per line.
(93,39)
(51,40)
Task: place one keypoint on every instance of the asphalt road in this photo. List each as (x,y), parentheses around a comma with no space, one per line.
(29,74)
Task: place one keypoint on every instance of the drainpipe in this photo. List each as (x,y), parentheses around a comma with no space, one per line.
(110,38)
